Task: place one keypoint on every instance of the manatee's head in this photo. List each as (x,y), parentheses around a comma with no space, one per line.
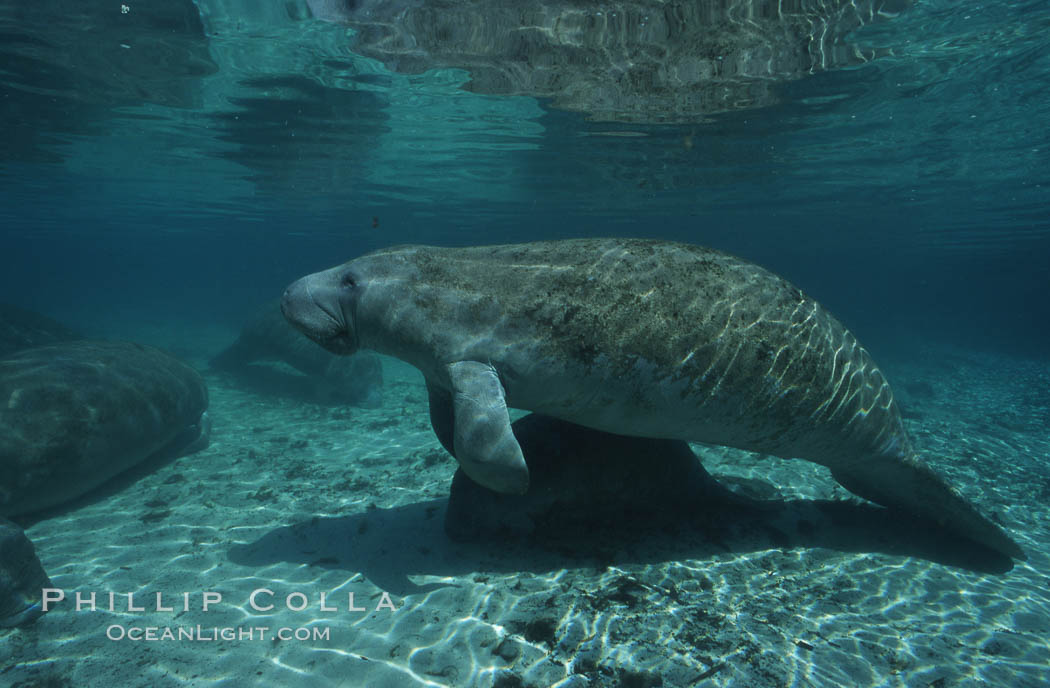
(22,578)
(323,306)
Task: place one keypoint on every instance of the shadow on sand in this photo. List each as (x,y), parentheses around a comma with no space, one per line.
(389,545)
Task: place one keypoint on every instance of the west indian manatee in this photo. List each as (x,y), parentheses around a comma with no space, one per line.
(22,578)
(74,415)
(636,337)
(22,329)
(579,477)
(302,368)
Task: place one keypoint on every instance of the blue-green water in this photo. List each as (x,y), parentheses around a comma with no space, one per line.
(167,167)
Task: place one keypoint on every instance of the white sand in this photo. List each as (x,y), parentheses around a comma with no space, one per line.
(292,497)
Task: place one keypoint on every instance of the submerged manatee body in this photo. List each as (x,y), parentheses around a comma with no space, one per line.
(635,337)
(74,415)
(318,375)
(580,479)
(22,578)
(22,329)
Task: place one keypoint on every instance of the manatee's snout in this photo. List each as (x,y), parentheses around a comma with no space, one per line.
(315,305)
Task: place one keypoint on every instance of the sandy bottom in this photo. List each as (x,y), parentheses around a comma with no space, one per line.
(304,500)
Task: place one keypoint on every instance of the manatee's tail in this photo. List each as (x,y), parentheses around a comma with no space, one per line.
(907,484)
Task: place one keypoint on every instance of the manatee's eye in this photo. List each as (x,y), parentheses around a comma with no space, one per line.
(348,281)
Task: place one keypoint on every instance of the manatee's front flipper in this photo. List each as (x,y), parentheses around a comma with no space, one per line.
(907,484)
(441,418)
(484,444)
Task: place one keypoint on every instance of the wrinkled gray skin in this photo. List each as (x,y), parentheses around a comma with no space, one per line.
(636,337)
(21,577)
(325,377)
(74,415)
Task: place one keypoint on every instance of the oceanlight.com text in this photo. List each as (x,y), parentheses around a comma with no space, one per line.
(213,633)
